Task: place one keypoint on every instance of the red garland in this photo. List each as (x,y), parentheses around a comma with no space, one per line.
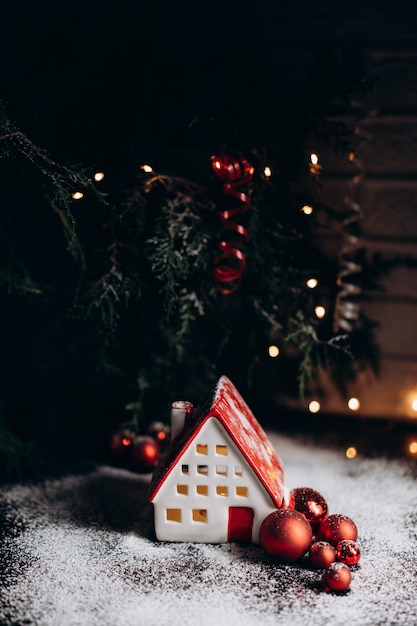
(234,170)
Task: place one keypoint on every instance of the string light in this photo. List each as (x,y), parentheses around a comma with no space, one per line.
(354,404)
(320,311)
(273,351)
(315,167)
(77,195)
(312,283)
(307,209)
(148,169)
(98,176)
(351,452)
(267,172)
(412,447)
(314,406)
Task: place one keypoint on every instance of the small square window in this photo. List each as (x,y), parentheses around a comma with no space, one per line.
(173,515)
(202,469)
(221,490)
(185,469)
(242,492)
(221,449)
(182,489)
(238,470)
(202,490)
(201,448)
(200,515)
(221,470)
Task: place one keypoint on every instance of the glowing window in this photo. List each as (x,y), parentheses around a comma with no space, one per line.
(200,515)
(182,489)
(221,490)
(242,492)
(221,449)
(238,470)
(202,469)
(202,490)
(185,469)
(201,448)
(173,515)
(221,470)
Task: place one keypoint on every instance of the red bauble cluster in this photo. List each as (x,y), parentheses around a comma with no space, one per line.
(305,527)
(140,453)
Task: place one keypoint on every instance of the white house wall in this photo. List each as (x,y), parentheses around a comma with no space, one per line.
(223,490)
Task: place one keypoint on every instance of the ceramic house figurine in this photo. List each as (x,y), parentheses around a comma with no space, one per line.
(220,476)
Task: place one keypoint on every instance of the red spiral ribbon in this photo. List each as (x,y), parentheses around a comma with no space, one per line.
(234,170)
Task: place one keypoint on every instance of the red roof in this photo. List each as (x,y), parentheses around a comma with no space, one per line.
(227,405)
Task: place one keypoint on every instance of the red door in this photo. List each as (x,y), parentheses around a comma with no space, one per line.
(240,524)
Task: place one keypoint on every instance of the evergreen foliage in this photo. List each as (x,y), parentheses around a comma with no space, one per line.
(111,300)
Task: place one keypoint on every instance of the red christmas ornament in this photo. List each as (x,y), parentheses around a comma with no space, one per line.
(337,577)
(348,552)
(310,503)
(121,444)
(286,535)
(234,170)
(322,554)
(337,527)
(144,454)
(161,432)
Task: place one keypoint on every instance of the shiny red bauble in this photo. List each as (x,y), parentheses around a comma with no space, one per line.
(348,552)
(121,444)
(337,577)
(286,535)
(144,454)
(322,554)
(310,503)
(161,432)
(336,528)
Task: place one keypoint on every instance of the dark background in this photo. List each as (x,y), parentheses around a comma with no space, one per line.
(111,85)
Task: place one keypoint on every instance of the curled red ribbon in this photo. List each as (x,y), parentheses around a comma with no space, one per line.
(234,170)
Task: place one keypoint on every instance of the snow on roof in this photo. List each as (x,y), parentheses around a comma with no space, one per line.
(227,405)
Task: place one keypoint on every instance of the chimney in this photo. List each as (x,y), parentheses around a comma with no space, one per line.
(180,411)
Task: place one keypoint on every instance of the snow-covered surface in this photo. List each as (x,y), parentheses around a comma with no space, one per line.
(80,551)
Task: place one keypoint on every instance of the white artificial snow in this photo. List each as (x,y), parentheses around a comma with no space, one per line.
(80,551)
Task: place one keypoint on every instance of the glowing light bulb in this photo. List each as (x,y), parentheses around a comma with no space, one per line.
(307,209)
(98,176)
(412,447)
(77,195)
(267,172)
(273,351)
(311,283)
(314,406)
(414,405)
(146,168)
(351,452)
(320,311)
(217,164)
(314,158)
(354,404)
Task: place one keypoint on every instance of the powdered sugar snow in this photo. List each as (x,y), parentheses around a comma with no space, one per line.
(80,551)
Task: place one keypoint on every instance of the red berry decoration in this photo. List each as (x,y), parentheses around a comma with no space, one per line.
(348,552)
(310,503)
(337,577)
(322,554)
(286,535)
(336,528)
(144,454)
(121,444)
